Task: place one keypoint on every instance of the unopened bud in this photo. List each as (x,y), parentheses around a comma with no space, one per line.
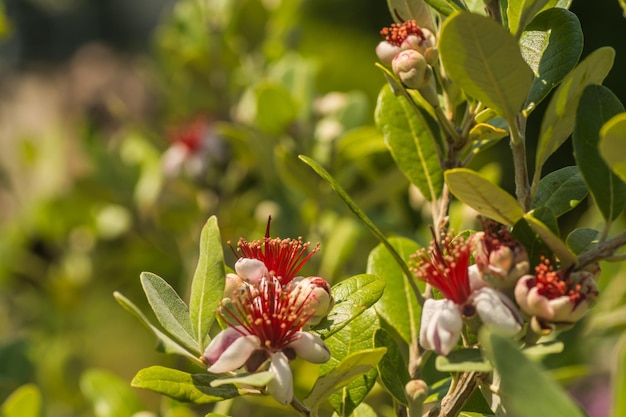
(411,67)
(425,44)
(386,52)
(232,283)
(416,392)
(315,292)
(251,270)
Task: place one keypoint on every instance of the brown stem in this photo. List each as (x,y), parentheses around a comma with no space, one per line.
(602,251)
(299,407)
(518,148)
(452,404)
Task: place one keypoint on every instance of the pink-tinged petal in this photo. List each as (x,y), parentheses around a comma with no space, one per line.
(312,293)
(235,355)
(386,51)
(310,348)
(538,305)
(232,283)
(563,310)
(441,325)
(281,386)
(221,342)
(522,289)
(494,308)
(251,270)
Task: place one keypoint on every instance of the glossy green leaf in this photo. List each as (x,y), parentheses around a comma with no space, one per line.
(619,379)
(551,45)
(257,379)
(398,306)
(547,218)
(613,144)
(352,366)
(23,402)
(166,344)
(352,297)
(445,7)
(411,141)
(554,242)
(109,395)
(483,196)
(525,387)
(535,247)
(485,61)
(597,105)
(463,360)
(169,309)
(560,116)
(392,368)
(275,108)
(582,239)
(356,336)
(182,386)
(560,190)
(207,286)
(418,10)
(520,12)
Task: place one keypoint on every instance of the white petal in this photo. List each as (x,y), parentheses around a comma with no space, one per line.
(235,355)
(310,348)
(221,342)
(475,278)
(251,270)
(441,325)
(281,386)
(493,307)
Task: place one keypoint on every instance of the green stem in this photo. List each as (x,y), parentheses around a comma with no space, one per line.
(517,129)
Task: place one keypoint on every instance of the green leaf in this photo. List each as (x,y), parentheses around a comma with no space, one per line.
(535,247)
(542,349)
(486,62)
(418,10)
(483,196)
(582,239)
(520,12)
(561,190)
(411,142)
(398,305)
(555,243)
(166,344)
(207,286)
(551,45)
(275,108)
(169,309)
(23,402)
(560,116)
(619,379)
(182,386)
(363,410)
(257,379)
(597,105)
(463,360)
(613,144)
(110,395)
(525,388)
(392,368)
(547,218)
(352,297)
(352,366)
(485,131)
(445,7)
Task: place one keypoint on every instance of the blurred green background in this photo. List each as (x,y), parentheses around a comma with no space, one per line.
(125,125)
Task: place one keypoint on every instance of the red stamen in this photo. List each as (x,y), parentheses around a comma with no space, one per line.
(398,32)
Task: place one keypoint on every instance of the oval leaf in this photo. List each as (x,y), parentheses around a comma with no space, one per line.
(561,190)
(520,12)
(463,360)
(613,144)
(566,257)
(403,10)
(485,60)
(392,368)
(23,402)
(597,105)
(582,239)
(483,196)
(257,379)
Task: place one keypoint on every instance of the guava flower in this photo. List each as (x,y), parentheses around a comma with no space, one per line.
(500,259)
(556,297)
(404,36)
(264,332)
(445,266)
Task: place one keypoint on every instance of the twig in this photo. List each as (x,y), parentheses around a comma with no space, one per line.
(604,250)
(452,404)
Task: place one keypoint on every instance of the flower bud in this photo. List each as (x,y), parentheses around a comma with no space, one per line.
(411,67)
(251,270)
(424,43)
(314,294)
(416,392)
(232,283)
(386,52)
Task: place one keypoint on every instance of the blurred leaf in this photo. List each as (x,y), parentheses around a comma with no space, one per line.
(483,196)
(597,105)
(560,116)
(23,402)
(275,108)
(554,242)
(582,239)
(392,368)
(403,10)
(169,309)
(445,7)
(398,305)
(551,45)
(485,131)
(352,296)
(411,142)
(525,388)
(257,379)
(363,410)
(535,247)
(463,360)
(470,414)
(166,344)
(560,190)
(182,386)
(207,286)
(110,395)
(542,349)
(613,144)
(485,60)
(520,12)
(350,367)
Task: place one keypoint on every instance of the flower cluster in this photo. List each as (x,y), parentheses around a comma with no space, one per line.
(267,309)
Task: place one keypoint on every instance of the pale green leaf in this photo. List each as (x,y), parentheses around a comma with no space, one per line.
(182,386)
(23,402)
(613,144)
(418,10)
(619,379)
(597,105)
(392,368)
(554,242)
(109,395)
(411,141)
(207,286)
(484,59)
(542,349)
(169,309)
(275,108)
(398,306)
(483,196)
(582,239)
(560,190)
(463,360)
(485,131)
(257,379)
(551,45)
(525,387)
(520,12)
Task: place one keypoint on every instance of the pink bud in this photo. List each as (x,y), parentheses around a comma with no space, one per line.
(411,67)
(314,294)
(386,52)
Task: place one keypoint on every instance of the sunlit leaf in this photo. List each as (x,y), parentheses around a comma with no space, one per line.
(613,144)
(257,379)
(582,239)
(597,105)
(485,131)
(484,59)
(520,12)
(207,286)
(110,395)
(542,349)
(483,196)
(619,379)
(23,402)
(182,386)
(554,242)
(403,10)
(560,190)
(392,368)
(463,360)
(445,7)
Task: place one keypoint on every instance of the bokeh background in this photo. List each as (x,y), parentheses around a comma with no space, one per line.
(125,124)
